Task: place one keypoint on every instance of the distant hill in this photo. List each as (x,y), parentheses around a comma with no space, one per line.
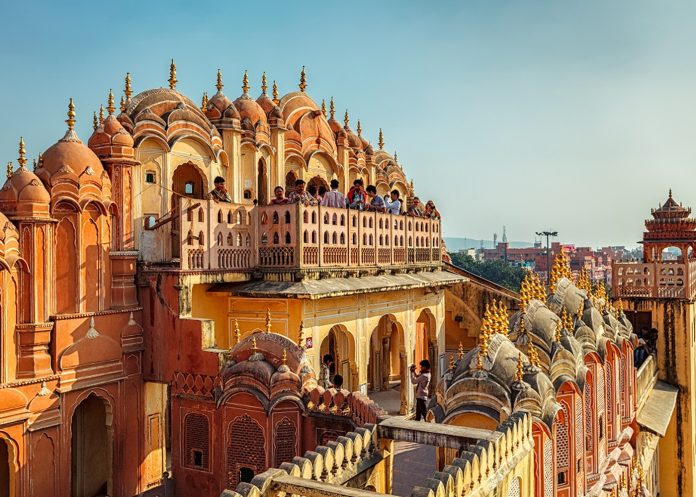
(454,244)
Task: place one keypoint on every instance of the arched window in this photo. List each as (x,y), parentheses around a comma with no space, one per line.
(287,217)
(288,240)
(276,239)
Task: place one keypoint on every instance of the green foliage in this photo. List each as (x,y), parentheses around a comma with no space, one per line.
(496,271)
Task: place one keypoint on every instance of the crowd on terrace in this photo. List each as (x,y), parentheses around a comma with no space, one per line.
(358,197)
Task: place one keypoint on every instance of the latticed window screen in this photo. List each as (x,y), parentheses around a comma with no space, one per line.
(245,449)
(285,441)
(196,441)
(562,447)
(588,411)
(548,468)
(578,429)
(514,490)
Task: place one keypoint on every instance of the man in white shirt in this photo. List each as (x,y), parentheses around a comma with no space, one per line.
(393,207)
(334,198)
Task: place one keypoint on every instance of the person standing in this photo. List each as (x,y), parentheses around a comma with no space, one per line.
(300,195)
(279,198)
(334,198)
(375,202)
(325,372)
(393,206)
(422,383)
(219,193)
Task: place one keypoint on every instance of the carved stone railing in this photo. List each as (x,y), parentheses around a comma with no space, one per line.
(220,236)
(654,280)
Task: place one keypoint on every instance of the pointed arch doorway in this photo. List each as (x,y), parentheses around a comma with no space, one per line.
(92,449)
(341,345)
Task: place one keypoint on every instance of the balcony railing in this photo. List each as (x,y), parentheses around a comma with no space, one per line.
(654,280)
(645,379)
(220,236)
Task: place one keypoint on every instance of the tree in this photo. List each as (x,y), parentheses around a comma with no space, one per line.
(496,271)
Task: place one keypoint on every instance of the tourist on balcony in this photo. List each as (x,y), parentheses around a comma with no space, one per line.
(219,193)
(393,206)
(300,195)
(325,371)
(279,198)
(334,198)
(338,382)
(374,202)
(422,382)
(415,210)
(640,351)
(431,211)
(356,195)
(321,193)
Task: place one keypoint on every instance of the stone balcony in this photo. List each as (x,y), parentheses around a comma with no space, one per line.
(674,280)
(290,238)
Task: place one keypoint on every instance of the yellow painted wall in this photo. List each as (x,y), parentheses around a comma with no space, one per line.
(155,404)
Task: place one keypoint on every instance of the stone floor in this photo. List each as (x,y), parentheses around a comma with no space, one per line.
(413,463)
(389,400)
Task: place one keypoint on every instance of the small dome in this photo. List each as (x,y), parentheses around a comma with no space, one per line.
(219,101)
(266,103)
(335,125)
(24,195)
(248,108)
(231,112)
(69,152)
(353,139)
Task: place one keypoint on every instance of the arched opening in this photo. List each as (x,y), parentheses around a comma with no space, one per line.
(316,183)
(66,271)
(92,449)
(6,470)
(387,371)
(340,344)
(290,179)
(187,181)
(262,183)
(426,343)
(671,254)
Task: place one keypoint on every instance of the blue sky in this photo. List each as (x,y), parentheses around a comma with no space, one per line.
(575,116)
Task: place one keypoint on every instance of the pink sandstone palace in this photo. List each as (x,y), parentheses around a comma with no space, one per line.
(154,342)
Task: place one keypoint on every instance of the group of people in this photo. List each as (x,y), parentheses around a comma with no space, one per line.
(358,197)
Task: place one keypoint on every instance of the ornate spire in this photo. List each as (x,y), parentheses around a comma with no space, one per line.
(172,75)
(359,128)
(559,327)
(303,80)
(110,106)
(380,140)
(323,107)
(245,83)
(519,375)
(560,269)
(127,91)
(276,100)
(219,84)
(300,336)
(22,160)
(253,345)
(396,158)
(332,109)
(204,102)
(264,84)
(268,320)
(460,351)
(451,361)
(9,170)
(70,121)
(101,114)
(584,282)
(533,355)
(122,104)
(40,165)
(237,333)
(284,359)
(346,119)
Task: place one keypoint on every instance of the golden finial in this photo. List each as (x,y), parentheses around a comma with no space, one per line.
(559,326)
(34,164)
(303,80)
(101,114)
(522,326)
(503,318)
(276,100)
(300,336)
(483,351)
(264,86)
(172,75)
(268,320)
(332,109)
(461,351)
(22,160)
(380,140)
(323,107)
(451,361)
(245,83)
(359,128)
(396,158)
(40,165)
(566,319)
(237,333)
(110,106)
(520,369)
(219,84)
(204,102)
(284,360)
(122,104)
(127,90)
(95,122)
(533,355)
(253,345)
(9,170)
(71,115)
(346,119)
(560,269)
